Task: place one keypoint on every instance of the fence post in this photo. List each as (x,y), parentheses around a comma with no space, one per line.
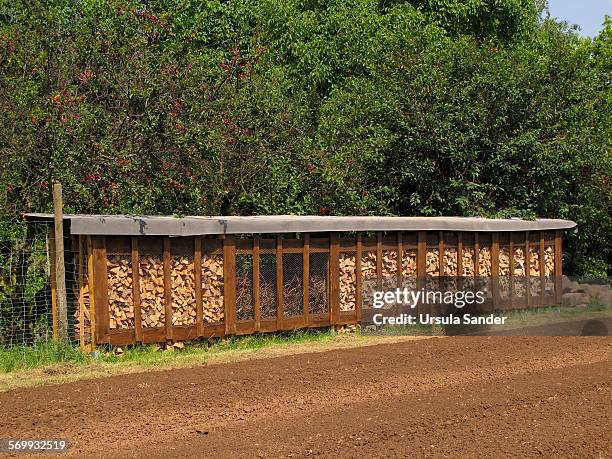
(60,268)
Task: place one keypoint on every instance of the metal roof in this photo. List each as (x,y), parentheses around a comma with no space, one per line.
(129,225)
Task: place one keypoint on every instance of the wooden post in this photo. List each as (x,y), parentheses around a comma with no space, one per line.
(460,282)
(528,269)
(511,282)
(279,282)
(306,275)
(92,296)
(400,258)
(168,288)
(334,278)
(379,255)
(495,269)
(229,279)
(100,290)
(358,286)
(542,270)
(558,266)
(256,298)
(421,265)
(60,267)
(197,266)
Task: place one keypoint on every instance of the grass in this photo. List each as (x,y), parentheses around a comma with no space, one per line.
(41,353)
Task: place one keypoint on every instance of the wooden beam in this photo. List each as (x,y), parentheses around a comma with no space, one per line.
(542,269)
(495,269)
(511,282)
(358,286)
(528,269)
(100,292)
(334,278)
(197,266)
(558,266)
(229,279)
(379,255)
(168,288)
(60,267)
(256,275)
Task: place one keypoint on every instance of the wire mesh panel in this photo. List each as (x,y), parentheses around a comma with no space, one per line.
(80,286)
(293,287)
(244,287)
(318,283)
(212,288)
(348,281)
(267,285)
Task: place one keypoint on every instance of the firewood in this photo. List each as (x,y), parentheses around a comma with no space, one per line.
(212,288)
(151,270)
(120,295)
(348,282)
(182,276)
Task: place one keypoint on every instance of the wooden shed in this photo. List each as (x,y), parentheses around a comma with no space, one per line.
(152,279)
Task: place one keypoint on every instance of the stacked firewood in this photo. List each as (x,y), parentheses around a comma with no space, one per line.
(549,261)
(467,262)
(86,314)
(348,281)
(182,290)
(484,262)
(389,263)
(120,294)
(212,288)
(519,270)
(450,262)
(368,265)
(409,263)
(151,272)
(432,263)
(534,262)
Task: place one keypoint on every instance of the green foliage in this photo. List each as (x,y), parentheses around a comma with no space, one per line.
(422,107)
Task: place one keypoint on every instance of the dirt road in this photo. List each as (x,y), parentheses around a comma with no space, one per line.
(450,397)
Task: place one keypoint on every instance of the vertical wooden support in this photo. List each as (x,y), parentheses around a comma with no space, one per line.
(460,257)
(136,289)
(279,282)
(81,281)
(229,279)
(60,267)
(306,275)
(334,278)
(53,280)
(441,249)
(542,269)
(197,266)
(358,286)
(527,270)
(476,255)
(400,258)
(100,289)
(168,288)
(256,296)
(495,269)
(421,264)
(511,249)
(92,304)
(558,266)
(379,252)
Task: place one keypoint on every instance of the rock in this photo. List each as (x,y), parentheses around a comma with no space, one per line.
(573,299)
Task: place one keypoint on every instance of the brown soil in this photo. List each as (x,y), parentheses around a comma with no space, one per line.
(450,397)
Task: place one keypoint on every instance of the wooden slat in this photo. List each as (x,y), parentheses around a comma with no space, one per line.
(279,281)
(229,283)
(334,278)
(441,249)
(542,271)
(92,300)
(421,264)
(168,288)
(100,292)
(197,266)
(256,294)
(400,258)
(81,281)
(136,289)
(511,249)
(379,251)
(358,286)
(527,270)
(306,275)
(460,256)
(558,266)
(440,308)
(495,269)
(476,255)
